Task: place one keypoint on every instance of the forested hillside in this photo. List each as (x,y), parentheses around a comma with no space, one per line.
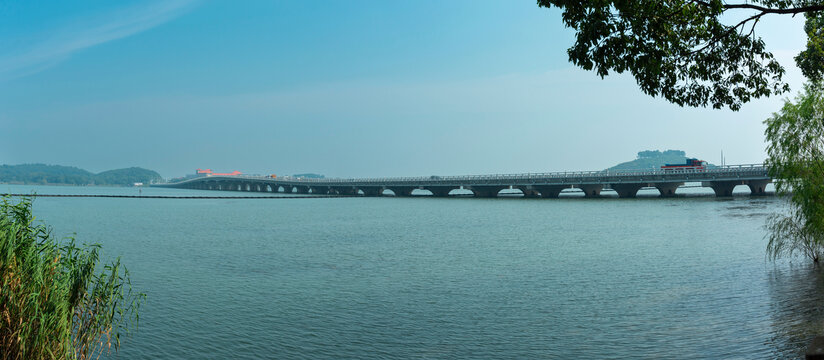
(69,175)
(653,159)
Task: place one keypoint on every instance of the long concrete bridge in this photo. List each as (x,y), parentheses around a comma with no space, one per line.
(722,180)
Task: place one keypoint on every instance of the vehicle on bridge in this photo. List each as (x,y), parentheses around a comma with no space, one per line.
(689,164)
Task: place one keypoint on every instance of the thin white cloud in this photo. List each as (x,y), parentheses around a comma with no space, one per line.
(62,42)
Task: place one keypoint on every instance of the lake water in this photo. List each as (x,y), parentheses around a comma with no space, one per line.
(438,278)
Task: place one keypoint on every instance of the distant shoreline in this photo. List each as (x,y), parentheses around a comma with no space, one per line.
(173,197)
(65,184)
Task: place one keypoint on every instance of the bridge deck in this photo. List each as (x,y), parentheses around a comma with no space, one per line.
(720,179)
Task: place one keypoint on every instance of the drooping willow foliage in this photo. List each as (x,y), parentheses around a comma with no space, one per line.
(55,303)
(789,234)
(796,159)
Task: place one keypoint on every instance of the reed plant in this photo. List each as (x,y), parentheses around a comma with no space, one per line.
(56,300)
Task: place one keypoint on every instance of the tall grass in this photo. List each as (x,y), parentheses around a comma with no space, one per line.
(54,303)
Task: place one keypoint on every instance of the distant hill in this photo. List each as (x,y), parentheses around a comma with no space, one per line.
(70,175)
(653,159)
(127,176)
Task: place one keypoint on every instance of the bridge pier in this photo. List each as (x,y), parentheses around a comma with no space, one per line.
(627,190)
(722,188)
(528,191)
(550,191)
(372,190)
(402,190)
(302,189)
(591,190)
(319,190)
(668,189)
(486,191)
(757,187)
(440,191)
(344,190)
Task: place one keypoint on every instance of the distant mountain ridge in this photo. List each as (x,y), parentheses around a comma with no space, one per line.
(42,174)
(653,159)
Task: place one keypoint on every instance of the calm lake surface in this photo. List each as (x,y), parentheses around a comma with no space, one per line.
(447,278)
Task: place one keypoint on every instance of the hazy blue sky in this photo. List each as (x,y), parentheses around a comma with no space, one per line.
(343,88)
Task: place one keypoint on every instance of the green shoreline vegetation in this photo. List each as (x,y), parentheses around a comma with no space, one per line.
(41,174)
(53,303)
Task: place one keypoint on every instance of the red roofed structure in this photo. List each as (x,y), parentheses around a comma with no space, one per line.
(208,172)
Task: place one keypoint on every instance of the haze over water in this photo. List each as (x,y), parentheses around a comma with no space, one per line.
(448,278)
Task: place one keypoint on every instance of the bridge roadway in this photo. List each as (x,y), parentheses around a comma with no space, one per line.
(722,180)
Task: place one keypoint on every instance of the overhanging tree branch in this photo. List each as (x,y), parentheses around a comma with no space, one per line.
(681,49)
(767,10)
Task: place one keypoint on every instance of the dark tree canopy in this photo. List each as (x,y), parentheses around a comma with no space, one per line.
(681,50)
(56,174)
(811,60)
